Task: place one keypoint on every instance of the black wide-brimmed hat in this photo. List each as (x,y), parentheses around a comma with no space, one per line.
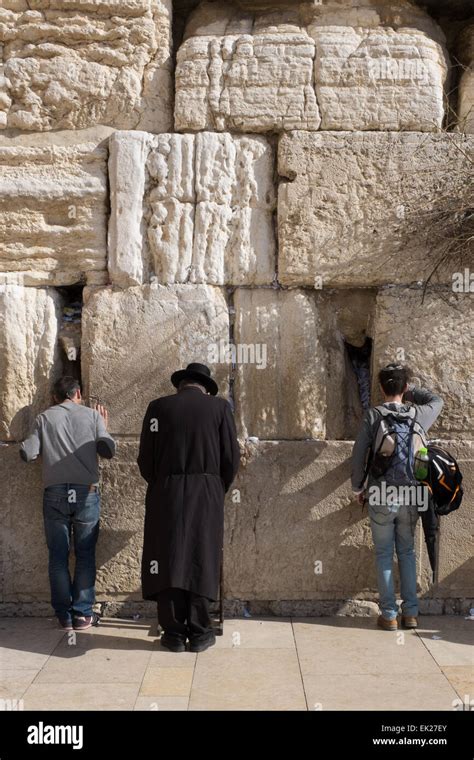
(198,372)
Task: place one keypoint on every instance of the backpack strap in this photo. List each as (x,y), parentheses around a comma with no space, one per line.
(382,412)
(370,455)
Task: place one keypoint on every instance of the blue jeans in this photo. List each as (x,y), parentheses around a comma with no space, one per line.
(71,510)
(394,528)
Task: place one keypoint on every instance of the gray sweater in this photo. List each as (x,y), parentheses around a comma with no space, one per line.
(428,408)
(69,437)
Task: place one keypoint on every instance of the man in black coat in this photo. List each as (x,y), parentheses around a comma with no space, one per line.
(189,456)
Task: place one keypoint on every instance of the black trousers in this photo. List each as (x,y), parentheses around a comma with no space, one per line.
(183,614)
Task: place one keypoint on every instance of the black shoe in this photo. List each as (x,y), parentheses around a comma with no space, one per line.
(65,624)
(82,622)
(198,644)
(173,643)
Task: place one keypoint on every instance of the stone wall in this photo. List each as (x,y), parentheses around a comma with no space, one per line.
(279,190)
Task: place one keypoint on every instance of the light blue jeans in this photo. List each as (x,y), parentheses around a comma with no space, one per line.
(394,528)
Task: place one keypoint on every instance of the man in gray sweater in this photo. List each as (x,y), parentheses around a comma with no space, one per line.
(69,436)
(393,522)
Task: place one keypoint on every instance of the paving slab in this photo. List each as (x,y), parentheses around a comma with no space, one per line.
(247,679)
(359,649)
(379,692)
(80,696)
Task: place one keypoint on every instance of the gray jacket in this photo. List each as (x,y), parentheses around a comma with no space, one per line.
(69,437)
(428,408)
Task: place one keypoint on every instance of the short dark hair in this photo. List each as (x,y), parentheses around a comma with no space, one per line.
(65,387)
(393,379)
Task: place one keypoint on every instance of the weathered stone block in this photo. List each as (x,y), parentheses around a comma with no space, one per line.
(456,563)
(128,153)
(294,379)
(380,67)
(29,326)
(133,340)
(71,65)
(239,72)
(465,55)
(119,549)
(191,208)
(53,208)
(466,101)
(368,209)
(24,555)
(293,530)
(280,383)
(435,338)
(369,66)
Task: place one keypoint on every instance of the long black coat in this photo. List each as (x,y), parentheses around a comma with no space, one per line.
(189,463)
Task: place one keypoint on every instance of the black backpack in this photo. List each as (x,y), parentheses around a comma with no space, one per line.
(444,480)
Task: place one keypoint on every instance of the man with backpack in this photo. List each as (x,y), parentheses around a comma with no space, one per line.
(383,460)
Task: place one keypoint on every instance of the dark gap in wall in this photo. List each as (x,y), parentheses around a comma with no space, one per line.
(360,361)
(348,335)
(344,406)
(70,329)
(273,140)
(453,17)
(456,10)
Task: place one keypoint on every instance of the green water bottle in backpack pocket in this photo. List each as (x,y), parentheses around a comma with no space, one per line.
(422,463)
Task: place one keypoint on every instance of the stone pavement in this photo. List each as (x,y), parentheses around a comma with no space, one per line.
(259,664)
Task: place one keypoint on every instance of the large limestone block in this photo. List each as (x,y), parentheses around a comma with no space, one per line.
(191,208)
(120,543)
(239,72)
(134,339)
(466,101)
(29,355)
(294,376)
(435,339)
(293,530)
(127,227)
(281,363)
(466,81)
(358,66)
(456,562)
(378,66)
(363,209)
(24,555)
(74,64)
(53,211)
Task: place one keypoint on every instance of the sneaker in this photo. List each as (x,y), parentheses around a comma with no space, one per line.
(173,643)
(387,625)
(65,624)
(409,621)
(82,622)
(202,644)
